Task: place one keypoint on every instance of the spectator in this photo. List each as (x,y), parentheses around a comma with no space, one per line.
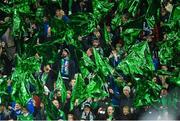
(66,67)
(47,77)
(5,63)
(87,113)
(61,15)
(126,99)
(125,114)
(114,58)
(4,114)
(25,115)
(110,113)
(71,117)
(62,115)
(43,26)
(96,45)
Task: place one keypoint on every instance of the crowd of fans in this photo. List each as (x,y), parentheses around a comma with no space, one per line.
(119,105)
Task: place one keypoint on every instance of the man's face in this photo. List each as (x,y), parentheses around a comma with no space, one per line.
(154,79)
(70,117)
(3,44)
(17,106)
(56,103)
(47,68)
(163,92)
(125,111)
(73,82)
(110,110)
(68,94)
(64,53)
(87,109)
(58,13)
(95,43)
(58,94)
(126,92)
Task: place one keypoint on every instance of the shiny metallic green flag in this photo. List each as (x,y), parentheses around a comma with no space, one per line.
(129,36)
(101,65)
(61,86)
(101,8)
(147,93)
(106,34)
(138,60)
(78,91)
(95,88)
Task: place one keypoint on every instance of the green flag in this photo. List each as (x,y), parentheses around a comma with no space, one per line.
(16,22)
(147,93)
(101,65)
(5,8)
(165,53)
(78,91)
(129,36)
(176,13)
(175,81)
(22,76)
(116,21)
(86,60)
(51,111)
(83,23)
(24,8)
(60,85)
(84,71)
(153,6)
(95,88)
(151,21)
(134,4)
(134,23)
(122,4)
(20,93)
(139,60)
(22,117)
(70,2)
(169,48)
(106,34)
(101,8)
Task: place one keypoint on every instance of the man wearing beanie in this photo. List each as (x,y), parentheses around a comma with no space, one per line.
(66,66)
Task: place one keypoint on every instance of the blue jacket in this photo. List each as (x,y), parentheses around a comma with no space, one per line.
(156,63)
(116,90)
(30,106)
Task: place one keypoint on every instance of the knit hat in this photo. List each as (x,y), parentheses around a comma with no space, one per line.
(86,104)
(127,88)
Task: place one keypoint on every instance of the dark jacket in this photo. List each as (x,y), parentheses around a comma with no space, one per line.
(71,68)
(125,117)
(6,64)
(4,115)
(126,101)
(50,80)
(116,96)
